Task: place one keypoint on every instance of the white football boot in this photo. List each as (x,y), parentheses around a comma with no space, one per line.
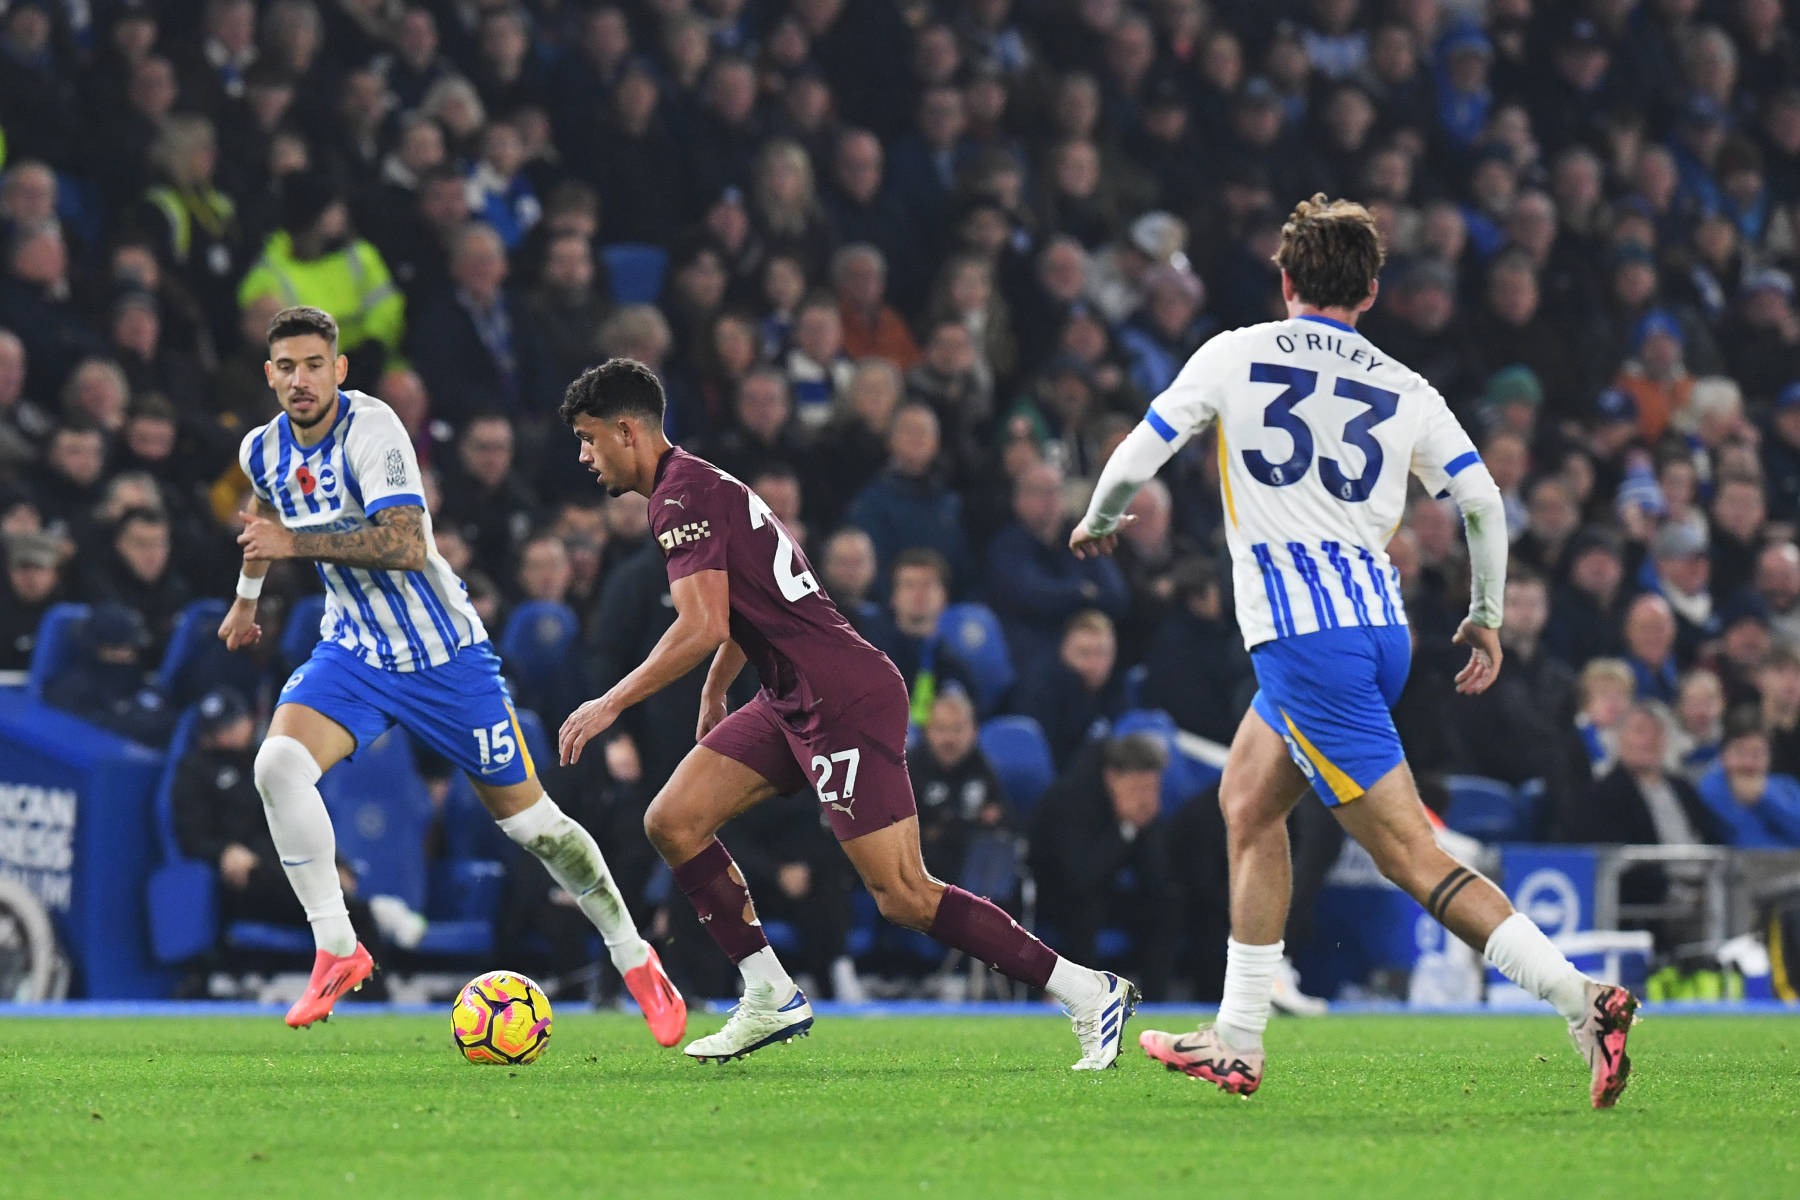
(758,1020)
(1287,997)
(1100,1023)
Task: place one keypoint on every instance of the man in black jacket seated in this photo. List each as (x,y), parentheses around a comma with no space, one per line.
(960,798)
(1198,670)
(219,820)
(1103,857)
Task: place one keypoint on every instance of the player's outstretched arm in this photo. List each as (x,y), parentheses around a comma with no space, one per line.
(702,625)
(239,628)
(1134,462)
(725,667)
(395,542)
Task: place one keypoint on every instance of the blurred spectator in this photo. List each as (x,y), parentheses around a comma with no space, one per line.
(315,254)
(140,573)
(1512,730)
(1649,637)
(1738,514)
(476,348)
(865,211)
(1695,732)
(960,797)
(1119,276)
(847,570)
(1073,694)
(33,583)
(1103,855)
(1034,583)
(1606,690)
(544,574)
(908,506)
(109,683)
(1781,455)
(1150,554)
(853,446)
(485,497)
(38,304)
(872,328)
(1683,577)
(195,225)
(1639,802)
(918,593)
(1197,669)
(1778,682)
(1778,587)
(1749,805)
(500,193)
(219,819)
(763,429)
(816,363)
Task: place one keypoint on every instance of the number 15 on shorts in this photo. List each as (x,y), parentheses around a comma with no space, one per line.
(826,766)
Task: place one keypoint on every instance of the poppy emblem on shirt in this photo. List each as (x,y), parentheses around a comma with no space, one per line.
(307,481)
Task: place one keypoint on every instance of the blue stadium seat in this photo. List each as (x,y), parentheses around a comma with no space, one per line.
(1185,777)
(196,661)
(636,270)
(973,631)
(380,810)
(58,641)
(301,633)
(182,896)
(1021,757)
(1487,809)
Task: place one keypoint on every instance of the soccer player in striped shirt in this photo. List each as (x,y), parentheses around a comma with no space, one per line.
(1318,433)
(336,481)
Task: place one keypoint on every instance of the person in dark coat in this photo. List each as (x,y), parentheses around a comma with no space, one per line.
(1640,803)
(476,347)
(485,498)
(960,797)
(1198,670)
(139,572)
(1076,692)
(220,820)
(1103,857)
(108,685)
(907,505)
(1587,615)
(1033,583)
(32,584)
(918,593)
(1513,731)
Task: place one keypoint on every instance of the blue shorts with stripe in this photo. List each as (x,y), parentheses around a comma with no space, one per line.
(461,709)
(1330,696)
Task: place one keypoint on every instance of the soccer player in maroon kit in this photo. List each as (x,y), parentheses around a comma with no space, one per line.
(831,718)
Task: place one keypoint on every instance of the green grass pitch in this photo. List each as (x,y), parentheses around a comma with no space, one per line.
(380,1106)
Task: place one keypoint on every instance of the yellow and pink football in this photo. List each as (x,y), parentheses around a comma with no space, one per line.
(501,1017)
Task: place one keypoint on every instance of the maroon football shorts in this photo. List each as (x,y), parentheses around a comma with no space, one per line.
(853,758)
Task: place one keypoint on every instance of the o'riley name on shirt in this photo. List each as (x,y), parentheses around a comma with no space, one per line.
(1360,354)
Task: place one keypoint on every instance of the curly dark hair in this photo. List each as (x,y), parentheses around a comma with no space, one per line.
(618,387)
(1332,251)
(302,320)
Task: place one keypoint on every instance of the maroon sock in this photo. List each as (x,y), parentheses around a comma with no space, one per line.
(981,929)
(715,886)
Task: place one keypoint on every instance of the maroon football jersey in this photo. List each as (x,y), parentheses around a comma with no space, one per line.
(781,617)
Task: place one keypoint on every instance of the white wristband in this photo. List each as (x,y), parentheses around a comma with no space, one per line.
(249,588)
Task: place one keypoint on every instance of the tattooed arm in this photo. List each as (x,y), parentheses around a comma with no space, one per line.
(395,542)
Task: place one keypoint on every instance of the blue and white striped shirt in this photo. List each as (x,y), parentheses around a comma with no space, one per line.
(392,620)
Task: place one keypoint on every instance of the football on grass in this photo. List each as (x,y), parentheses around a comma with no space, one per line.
(501,1017)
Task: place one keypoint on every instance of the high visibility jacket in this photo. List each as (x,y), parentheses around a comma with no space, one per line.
(351,284)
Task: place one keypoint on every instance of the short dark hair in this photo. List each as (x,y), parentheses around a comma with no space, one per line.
(1746,720)
(301,320)
(1332,251)
(618,387)
(140,515)
(1134,752)
(921,556)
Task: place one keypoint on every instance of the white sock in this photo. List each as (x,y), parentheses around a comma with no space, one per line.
(1249,979)
(286,776)
(573,859)
(1071,983)
(763,969)
(1528,958)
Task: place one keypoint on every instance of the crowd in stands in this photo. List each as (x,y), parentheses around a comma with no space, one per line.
(915,268)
